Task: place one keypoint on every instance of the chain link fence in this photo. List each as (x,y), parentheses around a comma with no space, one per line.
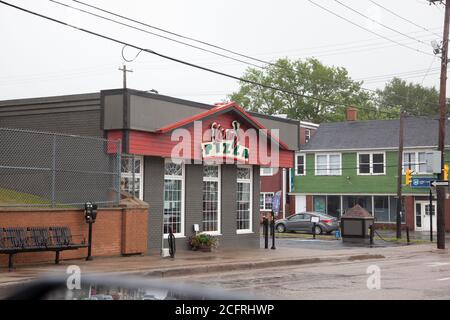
(56,170)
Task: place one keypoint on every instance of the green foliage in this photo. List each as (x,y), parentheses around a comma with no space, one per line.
(309,77)
(312,78)
(414,98)
(202,240)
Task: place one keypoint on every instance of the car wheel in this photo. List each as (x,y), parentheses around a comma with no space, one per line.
(281,228)
(318,230)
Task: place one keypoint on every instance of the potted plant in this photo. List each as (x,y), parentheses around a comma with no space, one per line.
(202,242)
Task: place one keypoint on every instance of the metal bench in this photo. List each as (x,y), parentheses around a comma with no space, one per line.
(35,239)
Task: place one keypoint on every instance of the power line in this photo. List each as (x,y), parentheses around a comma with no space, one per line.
(334,103)
(180,35)
(172,33)
(403,18)
(379,23)
(419,71)
(139,29)
(428,71)
(136,21)
(155,34)
(368,30)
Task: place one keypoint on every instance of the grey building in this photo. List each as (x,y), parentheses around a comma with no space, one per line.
(207,187)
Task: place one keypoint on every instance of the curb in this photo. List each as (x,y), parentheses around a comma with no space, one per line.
(191,270)
(227,267)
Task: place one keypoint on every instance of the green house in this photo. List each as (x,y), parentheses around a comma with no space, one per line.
(355,162)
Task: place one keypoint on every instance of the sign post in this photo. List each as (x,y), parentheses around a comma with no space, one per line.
(275,209)
(431,215)
(314,221)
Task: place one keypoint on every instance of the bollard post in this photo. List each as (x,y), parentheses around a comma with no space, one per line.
(273,231)
(407,235)
(266,232)
(371,234)
(314,230)
(171,240)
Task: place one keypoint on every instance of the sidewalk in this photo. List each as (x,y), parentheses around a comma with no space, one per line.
(186,263)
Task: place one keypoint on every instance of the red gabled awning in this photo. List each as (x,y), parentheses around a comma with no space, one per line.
(218,109)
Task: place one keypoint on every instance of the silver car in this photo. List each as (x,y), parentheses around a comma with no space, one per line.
(302,222)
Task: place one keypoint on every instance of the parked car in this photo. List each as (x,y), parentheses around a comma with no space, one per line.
(302,222)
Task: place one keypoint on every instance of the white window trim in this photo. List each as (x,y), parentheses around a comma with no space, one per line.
(296,164)
(139,175)
(217,232)
(371,164)
(307,136)
(416,161)
(244,231)
(182,178)
(328,163)
(264,194)
(265,174)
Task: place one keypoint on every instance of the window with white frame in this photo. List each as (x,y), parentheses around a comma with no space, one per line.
(371,163)
(265,201)
(265,171)
(174,198)
(244,199)
(328,164)
(300,165)
(416,161)
(211,198)
(132,175)
(307,135)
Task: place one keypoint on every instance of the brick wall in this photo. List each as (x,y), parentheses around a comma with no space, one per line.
(116,231)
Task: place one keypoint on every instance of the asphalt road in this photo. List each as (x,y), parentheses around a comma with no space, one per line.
(415,277)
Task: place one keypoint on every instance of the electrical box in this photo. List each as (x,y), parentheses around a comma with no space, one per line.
(433,160)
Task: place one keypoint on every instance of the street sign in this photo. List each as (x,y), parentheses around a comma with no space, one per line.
(421,182)
(315,219)
(276,202)
(439,183)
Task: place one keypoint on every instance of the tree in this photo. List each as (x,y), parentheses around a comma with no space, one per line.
(414,98)
(309,77)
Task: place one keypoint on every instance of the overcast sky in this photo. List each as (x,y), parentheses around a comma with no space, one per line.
(41,58)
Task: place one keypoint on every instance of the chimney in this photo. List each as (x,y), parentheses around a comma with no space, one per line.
(352,114)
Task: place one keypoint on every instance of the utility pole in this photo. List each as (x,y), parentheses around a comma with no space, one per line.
(440,212)
(399,175)
(440,191)
(125,70)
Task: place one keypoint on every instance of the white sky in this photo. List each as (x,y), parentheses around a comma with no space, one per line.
(41,58)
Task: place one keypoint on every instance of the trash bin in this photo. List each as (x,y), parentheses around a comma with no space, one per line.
(355,224)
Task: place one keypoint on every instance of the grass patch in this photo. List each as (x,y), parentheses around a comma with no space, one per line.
(402,240)
(9,198)
(295,235)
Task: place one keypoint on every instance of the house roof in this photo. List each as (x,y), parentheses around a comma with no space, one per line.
(220,109)
(376,134)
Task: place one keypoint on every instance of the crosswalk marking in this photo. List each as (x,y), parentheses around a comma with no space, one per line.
(443,279)
(437,264)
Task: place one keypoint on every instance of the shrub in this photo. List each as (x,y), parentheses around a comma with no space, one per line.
(202,240)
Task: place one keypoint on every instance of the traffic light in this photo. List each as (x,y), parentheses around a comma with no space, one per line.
(408,177)
(445,171)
